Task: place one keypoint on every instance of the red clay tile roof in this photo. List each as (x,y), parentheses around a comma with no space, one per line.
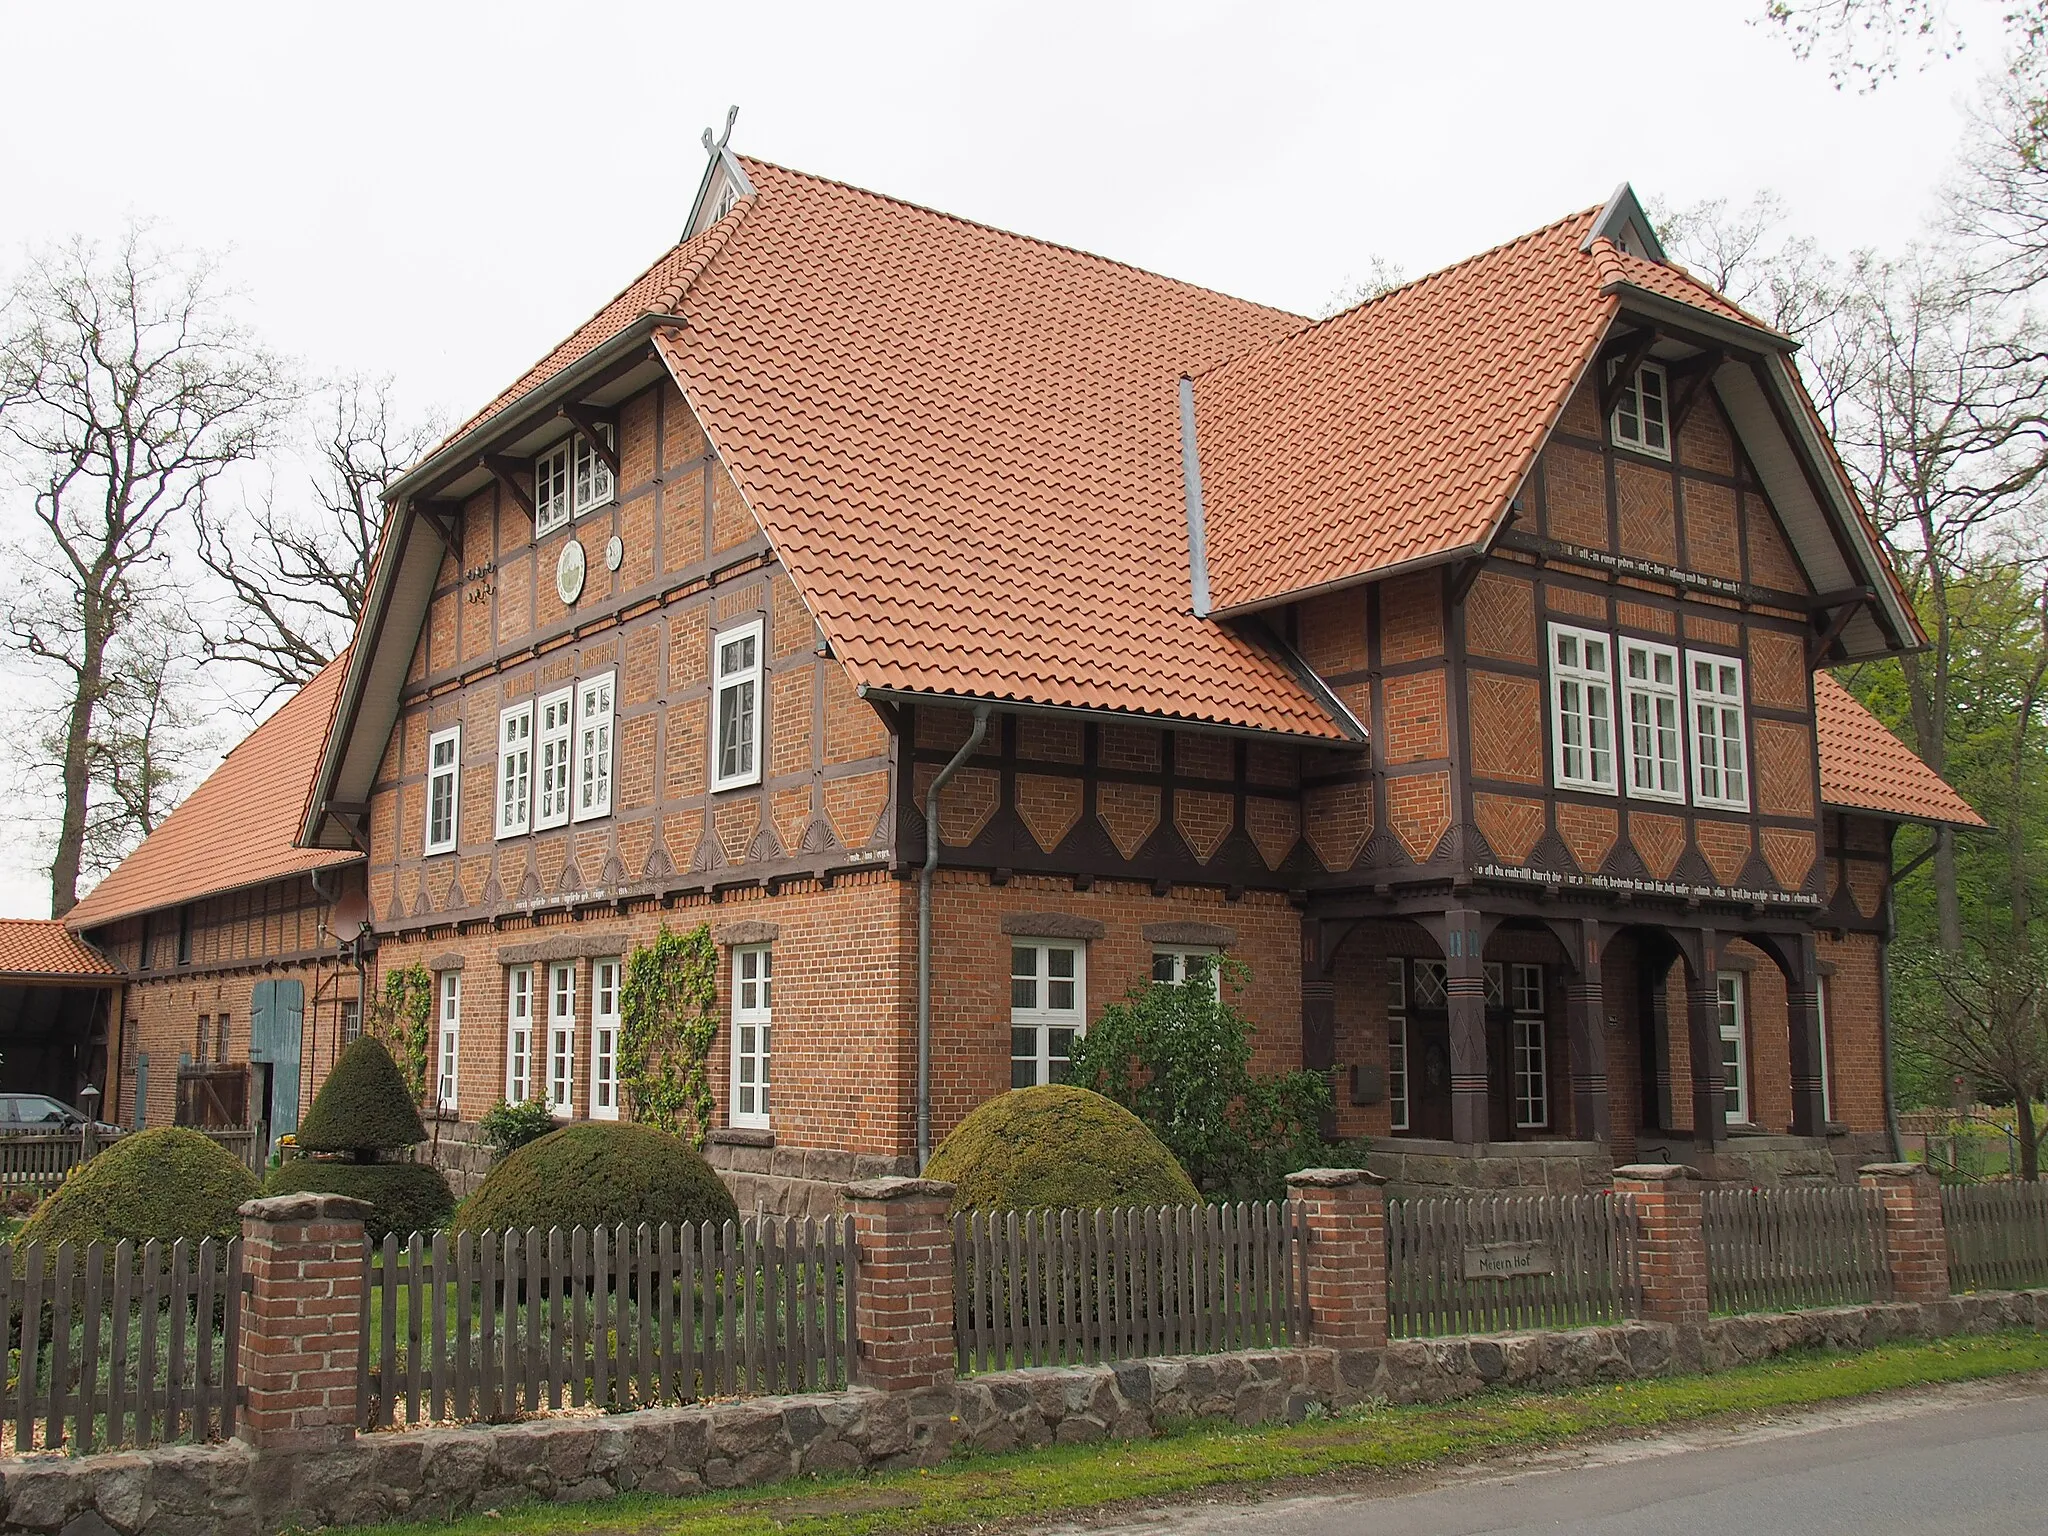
(43,946)
(965,446)
(238,827)
(1864,767)
(1398,430)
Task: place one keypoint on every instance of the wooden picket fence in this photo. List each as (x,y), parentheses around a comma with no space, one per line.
(1794,1246)
(492,1325)
(1487,1263)
(36,1162)
(1997,1235)
(119,1345)
(1063,1287)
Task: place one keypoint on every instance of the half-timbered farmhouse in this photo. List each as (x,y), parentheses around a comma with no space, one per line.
(968,629)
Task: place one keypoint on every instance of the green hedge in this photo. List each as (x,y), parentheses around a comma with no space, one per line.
(364,1106)
(597,1173)
(405,1197)
(167,1183)
(1057,1146)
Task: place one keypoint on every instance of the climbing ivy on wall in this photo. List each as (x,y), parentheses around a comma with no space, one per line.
(404,1020)
(669,1019)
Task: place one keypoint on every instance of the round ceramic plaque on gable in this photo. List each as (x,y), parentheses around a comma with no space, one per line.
(569,572)
(614,552)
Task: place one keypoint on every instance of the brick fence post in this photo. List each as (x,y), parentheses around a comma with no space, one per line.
(903,1301)
(1345,1212)
(1915,1238)
(1672,1239)
(301,1320)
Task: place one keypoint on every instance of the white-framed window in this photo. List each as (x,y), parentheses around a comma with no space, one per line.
(1733,1008)
(518,1034)
(753,986)
(1397,1046)
(1642,414)
(1582,706)
(351,1020)
(557,736)
(1048,1008)
(444,788)
(736,740)
(1532,1072)
(1496,984)
(1650,708)
(1720,762)
(594,747)
(447,1056)
(568,481)
(1827,1075)
(515,769)
(1171,966)
(562,1039)
(606,978)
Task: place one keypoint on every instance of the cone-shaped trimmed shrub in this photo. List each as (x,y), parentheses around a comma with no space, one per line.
(167,1183)
(364,1106)
(1057,1146)
(597,1173)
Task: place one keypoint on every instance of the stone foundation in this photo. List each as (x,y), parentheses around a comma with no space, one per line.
(1415,1167)
(458,1149)
(1752,1159)
(430,1474)
(792,1181)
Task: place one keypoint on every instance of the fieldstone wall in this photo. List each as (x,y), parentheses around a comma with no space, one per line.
(459,1151)
(1415,1168)
(792,1181)
(438,1473)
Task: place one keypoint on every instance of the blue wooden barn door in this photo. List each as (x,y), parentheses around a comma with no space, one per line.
(277,1017)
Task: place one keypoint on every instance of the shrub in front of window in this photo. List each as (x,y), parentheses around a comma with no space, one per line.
(507,1127)
(168,1183)
(597,1173)
(668,1014)
(1178,1056)
(1057,1147)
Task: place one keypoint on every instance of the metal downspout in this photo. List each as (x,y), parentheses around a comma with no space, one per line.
(924,931)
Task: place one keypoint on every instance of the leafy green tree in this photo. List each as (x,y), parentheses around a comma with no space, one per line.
(1179,1057)
(1981,1014)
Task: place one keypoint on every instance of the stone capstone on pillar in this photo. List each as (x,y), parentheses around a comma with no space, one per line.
(903,1303)
(301,1334)
(1344,1212)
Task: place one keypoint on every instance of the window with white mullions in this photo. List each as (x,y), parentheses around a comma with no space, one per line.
(1720,760)
(1397,1046)
(1582,705)
(1733,1011)
(562,1039)
(444,788)
(1642,412)
(1531,1047)
(569,480)
(1432,989)
(515,770)
(1649,692)
(518,1034)
(753,982)
(557,736)
(736,737)
(447,1085)
(1173,967)
(604,1039)
(1820,1019)
(594,747)
(1047,1010)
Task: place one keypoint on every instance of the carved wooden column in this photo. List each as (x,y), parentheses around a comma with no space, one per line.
(1703,1018)
(1585,1022)
(1465,987)
(1802,1020)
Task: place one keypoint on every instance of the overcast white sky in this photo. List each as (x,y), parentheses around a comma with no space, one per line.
(441,191)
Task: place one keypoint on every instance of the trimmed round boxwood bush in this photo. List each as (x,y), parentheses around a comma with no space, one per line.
(1057,1146)
(364,1106)
(404,1197)
(597,1173)
(167,1183)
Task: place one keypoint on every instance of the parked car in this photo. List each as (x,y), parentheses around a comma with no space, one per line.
(25,1112)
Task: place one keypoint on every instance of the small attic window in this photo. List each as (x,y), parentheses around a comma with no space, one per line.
(1642,416)
(727,196)
(568,481)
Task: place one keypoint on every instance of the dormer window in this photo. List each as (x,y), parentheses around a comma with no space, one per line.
(1642,416)
(570,480)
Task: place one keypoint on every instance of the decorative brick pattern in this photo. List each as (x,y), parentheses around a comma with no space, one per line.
(1790,855)
(1659,841)
(1710,532)
(1725,846)
(1866,887)
(1415,728)
(1777,669)
(1419,811)
(1274,827)
(1048,807)
(301,1320)
(855,807)
(1506,716)
(1771,563)
(1645,619)
(1511,825)
(1575,491)
(1589,831)
(1345,1212)
(1575,601)
(1500,618)
(1203,819)
(1719,633)
(1915,1239)
(1129,813)
(1339,818)
(903,1307)
(1411,617)
(1649,529)
(1673,1240)
(1784,767)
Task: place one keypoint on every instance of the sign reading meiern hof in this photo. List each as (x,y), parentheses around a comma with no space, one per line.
(1500,1261)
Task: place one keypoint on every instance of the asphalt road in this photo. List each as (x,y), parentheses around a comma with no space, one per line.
(1951,1462)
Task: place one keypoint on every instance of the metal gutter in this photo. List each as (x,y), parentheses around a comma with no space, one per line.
(1664,310)
(1076,712)
(924,930)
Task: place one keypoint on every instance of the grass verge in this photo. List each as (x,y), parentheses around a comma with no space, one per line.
(1067,1480)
